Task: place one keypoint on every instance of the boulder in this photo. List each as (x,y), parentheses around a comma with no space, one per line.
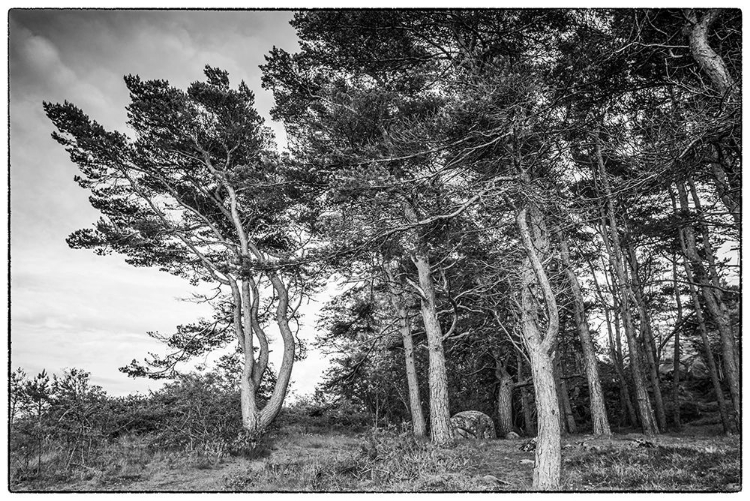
(473,424)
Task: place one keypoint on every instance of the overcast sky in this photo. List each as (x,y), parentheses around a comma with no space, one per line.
(71,308)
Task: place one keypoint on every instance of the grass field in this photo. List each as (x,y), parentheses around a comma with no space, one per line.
(316,459)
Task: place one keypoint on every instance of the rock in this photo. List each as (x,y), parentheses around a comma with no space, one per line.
(528,446)
(512,435)
(473,424)
(644,443)
(527,461)
(491,479)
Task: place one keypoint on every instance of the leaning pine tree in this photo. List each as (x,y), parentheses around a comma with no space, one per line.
(198,193)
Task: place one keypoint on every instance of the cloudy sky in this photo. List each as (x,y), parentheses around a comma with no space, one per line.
(70,308)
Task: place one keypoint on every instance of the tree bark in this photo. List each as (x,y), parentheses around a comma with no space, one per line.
(713,372)
(715,306)
(676,355)
(591,363)
(526,404)
(548,460)
(440,428)
(504,398)
(649,346)
(567,421)
(419,427)
(645,412)
(615,349)
(708,60)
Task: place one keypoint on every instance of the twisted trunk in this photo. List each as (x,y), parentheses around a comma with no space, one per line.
(548,460)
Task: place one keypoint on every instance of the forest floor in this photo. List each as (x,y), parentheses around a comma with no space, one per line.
(316,459)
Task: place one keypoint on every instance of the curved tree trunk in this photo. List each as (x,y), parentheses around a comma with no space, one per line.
(709,61)
(713,65)
(548,459)
(273,406)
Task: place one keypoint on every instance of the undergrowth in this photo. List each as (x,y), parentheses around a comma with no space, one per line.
(662,468)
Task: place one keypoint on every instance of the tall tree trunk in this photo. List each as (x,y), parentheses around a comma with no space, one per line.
(709,254)
(712,370)
(504,398)
(415,402)
(440,427)
(419,427)
(649,345)
(548,460)
(676,356)
(615,348)
(645,412)
(715,306)
(591,363)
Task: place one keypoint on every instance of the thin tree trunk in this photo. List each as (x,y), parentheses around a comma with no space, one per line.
(676,356)
(644,405)
(615,348)
(713,372)
(415,402)
(591,363)
(715,307)
(568,422)
(526,404)
(649,346)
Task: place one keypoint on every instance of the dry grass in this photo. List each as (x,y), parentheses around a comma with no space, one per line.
(297,460)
